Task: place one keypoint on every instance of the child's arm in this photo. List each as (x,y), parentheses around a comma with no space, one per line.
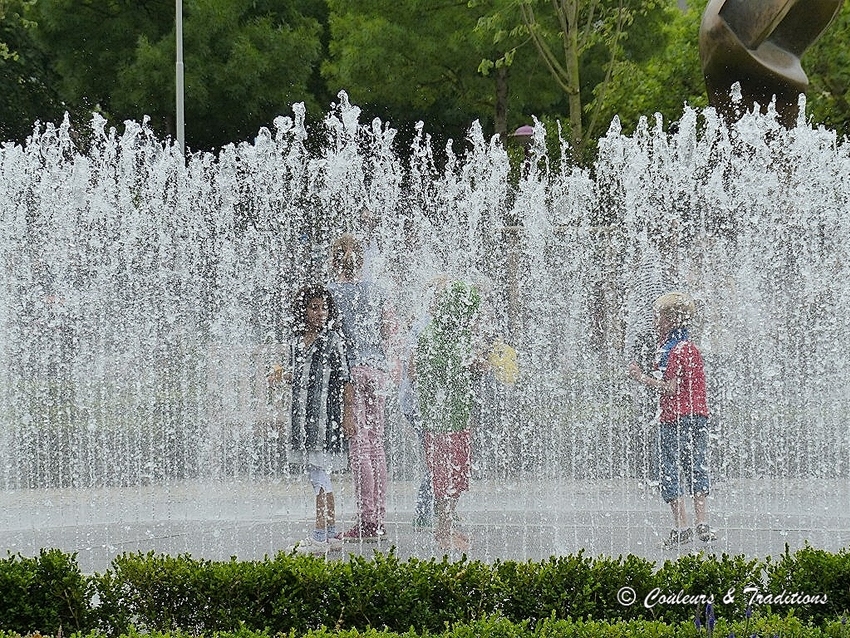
(390,330)
(411,366)
(276,374)
(478,363)
(348,426)
(665,386)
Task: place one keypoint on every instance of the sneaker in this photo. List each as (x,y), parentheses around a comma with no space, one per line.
(679,537)
(310,546)
(367,532)
(705,533)
(334,543)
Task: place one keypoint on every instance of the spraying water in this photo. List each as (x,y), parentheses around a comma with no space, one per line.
(143,297)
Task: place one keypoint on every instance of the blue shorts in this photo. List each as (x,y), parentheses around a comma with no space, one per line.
(684,457)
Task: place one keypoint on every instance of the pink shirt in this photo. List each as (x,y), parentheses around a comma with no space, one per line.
(684,362)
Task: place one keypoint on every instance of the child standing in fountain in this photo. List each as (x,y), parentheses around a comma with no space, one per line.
(322,405)
(369,325)
(444,366)
(684,416)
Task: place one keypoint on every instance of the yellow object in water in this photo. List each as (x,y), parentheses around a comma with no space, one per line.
(503,361)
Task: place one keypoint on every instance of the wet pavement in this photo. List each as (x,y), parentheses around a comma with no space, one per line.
(511,519)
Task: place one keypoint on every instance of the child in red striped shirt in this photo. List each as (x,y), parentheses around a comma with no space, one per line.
(684,416)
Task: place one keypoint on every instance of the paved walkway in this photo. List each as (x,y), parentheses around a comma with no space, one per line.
(506,520)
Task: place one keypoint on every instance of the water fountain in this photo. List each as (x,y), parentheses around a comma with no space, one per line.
(143,297)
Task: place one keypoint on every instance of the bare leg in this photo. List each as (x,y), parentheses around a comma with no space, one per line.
(452,507)
(680,517)
(321,510)
(704,532)
(325,510)
(444,522)
(699,508)
(330,510)
(448,537)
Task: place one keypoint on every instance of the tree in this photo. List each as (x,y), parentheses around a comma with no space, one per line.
(25,79)
(663,81)
(246,61)
(89,41)
(412,60)
(827,63)
(672,75)
(580,43)
(245,64)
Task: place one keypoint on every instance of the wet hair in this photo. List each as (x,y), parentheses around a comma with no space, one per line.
(679,306)
(346,256)
(300,301)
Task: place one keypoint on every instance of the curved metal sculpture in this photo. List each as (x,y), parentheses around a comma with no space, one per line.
(758,43)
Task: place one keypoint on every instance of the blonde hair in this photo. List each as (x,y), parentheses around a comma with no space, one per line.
(346,255)
(678,306)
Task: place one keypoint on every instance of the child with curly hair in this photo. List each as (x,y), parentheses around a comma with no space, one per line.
(322,405)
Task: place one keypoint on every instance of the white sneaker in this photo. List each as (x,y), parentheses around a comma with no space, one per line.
(334,543)
(705,533)
(310,546)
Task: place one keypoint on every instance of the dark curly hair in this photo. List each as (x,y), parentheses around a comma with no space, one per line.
(300,301)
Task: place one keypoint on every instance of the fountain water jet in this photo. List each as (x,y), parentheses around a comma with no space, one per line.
(142,300)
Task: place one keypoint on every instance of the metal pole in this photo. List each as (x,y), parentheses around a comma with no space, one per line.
(181,133)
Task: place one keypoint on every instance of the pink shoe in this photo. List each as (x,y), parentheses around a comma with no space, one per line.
(362,532)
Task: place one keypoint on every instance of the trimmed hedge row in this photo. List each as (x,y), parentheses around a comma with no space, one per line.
(497,627)
(289,593)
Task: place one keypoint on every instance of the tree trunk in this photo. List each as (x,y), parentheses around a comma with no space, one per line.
(569,11)
(501,114)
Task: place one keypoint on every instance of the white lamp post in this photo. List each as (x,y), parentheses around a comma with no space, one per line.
(181,133)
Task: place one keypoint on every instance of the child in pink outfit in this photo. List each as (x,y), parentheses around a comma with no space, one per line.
(368,323)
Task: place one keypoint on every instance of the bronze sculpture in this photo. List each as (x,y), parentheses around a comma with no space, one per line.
(758,43)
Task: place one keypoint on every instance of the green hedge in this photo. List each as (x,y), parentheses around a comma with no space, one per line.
(499,627)
(295,594)
(44,593)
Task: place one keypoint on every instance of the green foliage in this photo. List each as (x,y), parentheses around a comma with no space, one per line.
(582,44)
(246,61)
(571,586)
(43,594)
(428,60)
(444,63)
(90,41)
(827,63)
(26,92)
(296,595)
(662,81)
(496,626)
(245,64)
(165,592)
(293,593)
(727,575)
(671,75)
(812,571)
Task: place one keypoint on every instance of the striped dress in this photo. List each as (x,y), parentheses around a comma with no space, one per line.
(319,375)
